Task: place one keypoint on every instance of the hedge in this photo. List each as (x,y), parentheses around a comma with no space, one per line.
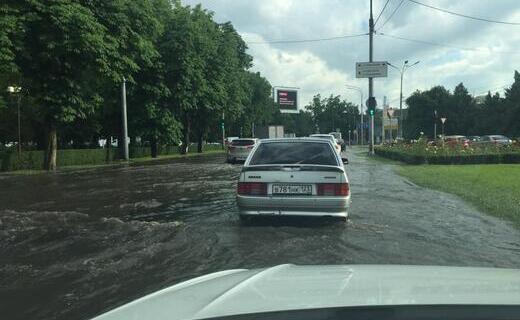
(414,158)
(34,160)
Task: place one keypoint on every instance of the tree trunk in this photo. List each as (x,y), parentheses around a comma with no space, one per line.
(154,148)
(199,142)
(186,133)
(108,145)
(52,150)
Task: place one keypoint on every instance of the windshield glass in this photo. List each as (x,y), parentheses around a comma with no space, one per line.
(294,153)
(242,142)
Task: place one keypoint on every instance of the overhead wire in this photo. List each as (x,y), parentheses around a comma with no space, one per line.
(446,45)
(464,15)
(308,40)
(381,12)
(391,15)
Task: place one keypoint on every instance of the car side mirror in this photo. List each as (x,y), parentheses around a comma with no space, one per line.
(345,160)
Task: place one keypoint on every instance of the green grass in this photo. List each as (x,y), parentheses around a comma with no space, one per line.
(494,188)
(114,163)
(174,156)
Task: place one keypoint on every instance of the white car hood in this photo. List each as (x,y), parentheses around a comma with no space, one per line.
(290,287)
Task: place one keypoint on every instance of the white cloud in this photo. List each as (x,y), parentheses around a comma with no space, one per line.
(297,69)
(324,67)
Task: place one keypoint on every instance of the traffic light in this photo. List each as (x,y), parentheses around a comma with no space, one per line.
(371,104)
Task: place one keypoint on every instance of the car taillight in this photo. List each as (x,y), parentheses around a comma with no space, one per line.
(252,188)
(333,189)
(250,147)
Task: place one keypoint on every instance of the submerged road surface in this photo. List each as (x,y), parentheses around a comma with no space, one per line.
(75,244)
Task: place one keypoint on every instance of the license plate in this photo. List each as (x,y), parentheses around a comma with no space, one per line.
(292,189)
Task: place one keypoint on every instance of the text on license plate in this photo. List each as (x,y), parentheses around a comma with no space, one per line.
(292,189)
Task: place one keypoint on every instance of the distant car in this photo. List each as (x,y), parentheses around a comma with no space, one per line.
(339,139)
(296,177)
(496,140)
(456,140)
(474,139)
(239,149)
(329,137)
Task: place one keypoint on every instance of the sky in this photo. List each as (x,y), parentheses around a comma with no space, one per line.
(481,55)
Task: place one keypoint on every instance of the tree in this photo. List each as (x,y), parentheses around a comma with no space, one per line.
(259,107)
(333,113)
(62,47)
(511,112)
(462,111)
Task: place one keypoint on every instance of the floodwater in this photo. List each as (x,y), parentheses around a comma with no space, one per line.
(75,244)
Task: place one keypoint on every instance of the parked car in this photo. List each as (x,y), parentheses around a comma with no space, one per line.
(239,149)
(339,139)
(456,140)
(294,176)
(329,137)
(474,139)
(496,140)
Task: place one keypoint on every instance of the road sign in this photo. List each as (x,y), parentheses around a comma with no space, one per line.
(287,100)
(443,120)
(377,69)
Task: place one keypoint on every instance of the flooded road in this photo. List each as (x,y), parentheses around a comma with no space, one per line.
(75,244)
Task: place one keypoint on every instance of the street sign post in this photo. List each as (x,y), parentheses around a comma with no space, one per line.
(376,69)
(443,120)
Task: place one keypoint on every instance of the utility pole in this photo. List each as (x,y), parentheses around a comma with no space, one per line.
(371,80)
(434,125)
(400,119)
(19,147)
(123,118)
(223,131)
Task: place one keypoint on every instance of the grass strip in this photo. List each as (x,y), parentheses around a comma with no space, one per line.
(494,188)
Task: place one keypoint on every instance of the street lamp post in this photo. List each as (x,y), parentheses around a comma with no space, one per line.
(390,113)
(434,125)
(17,90)
(400,118)
(358,89)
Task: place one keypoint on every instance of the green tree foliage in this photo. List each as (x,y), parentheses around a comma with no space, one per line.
(183,70)
(495,115)
(333,113)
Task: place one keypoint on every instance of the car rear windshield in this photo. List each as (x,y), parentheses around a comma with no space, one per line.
(294,153)
(242,142)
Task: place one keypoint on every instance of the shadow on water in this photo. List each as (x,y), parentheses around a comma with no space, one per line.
(291,221)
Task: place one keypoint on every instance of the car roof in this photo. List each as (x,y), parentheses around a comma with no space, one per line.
(298,139)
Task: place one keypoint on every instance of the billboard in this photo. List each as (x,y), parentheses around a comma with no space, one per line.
(287,100)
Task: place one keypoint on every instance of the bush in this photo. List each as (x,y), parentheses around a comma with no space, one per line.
(34,160)
(420,154)
(28,160)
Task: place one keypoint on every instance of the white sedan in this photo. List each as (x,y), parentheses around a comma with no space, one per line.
(294,176)
(337,145)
